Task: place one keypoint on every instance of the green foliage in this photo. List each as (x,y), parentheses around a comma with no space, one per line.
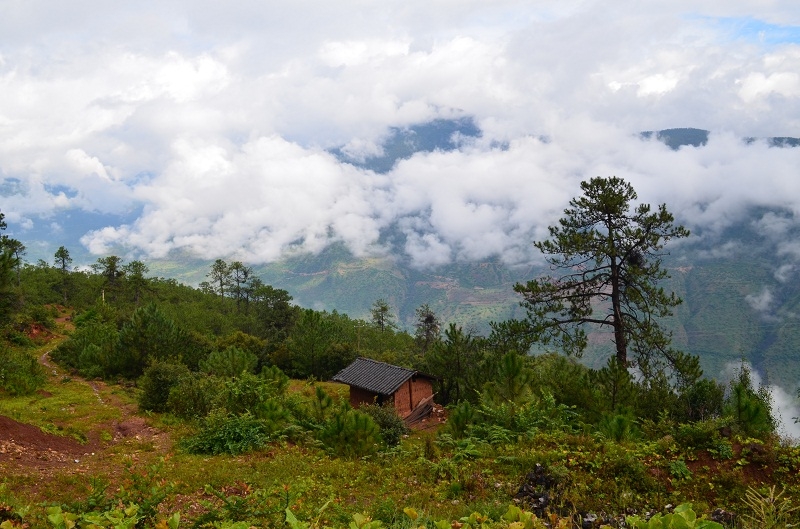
(20,373)
(230,362)
(157,382)
(382,317)
(619,427)
(701,400)
(145,488)
(322,406)
(679,470)
(683,517)
(610,261)
(461,416)
(253,506)
(225,433)
(568,382)
(275,379)
(427,328)
(391,426)
(700,434)
(750,409)
(350,433)
(92,332)
(252,394)
(615,385)
(319,346)
(512,382)
(770,510)
(456,361)
(195,396)
(149,335)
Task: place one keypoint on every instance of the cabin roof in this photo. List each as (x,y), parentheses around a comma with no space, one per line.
(374,376)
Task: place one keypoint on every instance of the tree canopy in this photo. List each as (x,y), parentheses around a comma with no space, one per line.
(605,258)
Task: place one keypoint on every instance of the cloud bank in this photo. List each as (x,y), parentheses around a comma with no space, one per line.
(214,124)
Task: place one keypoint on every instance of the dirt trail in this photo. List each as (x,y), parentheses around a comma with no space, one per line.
(25,448)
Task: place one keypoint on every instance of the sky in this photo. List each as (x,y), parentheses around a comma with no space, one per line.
(206,128)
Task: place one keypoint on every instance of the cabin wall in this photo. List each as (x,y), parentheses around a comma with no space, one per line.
(422,388)
(406,398)
(360,396)
(410,394)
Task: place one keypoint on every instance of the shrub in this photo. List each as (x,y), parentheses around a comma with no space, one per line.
(350,433)
(700,434)
(230,362)
(249,393)
(683,517)
(148,335)
(462,415)
(225,433)
(90,333)
(20,373)
(156,383)
(391,425)
(750,409)
(619,427)
(194,396)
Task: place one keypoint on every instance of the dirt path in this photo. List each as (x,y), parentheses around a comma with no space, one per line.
(26,449)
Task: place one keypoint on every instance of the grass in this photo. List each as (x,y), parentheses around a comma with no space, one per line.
(67,406)
(443,480)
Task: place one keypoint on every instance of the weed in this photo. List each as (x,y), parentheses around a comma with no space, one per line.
(769,511)
(679,470)
(20,373)
(683,517)
(224,433)
(391,425)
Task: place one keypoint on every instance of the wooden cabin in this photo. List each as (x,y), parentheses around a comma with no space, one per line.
(373,382)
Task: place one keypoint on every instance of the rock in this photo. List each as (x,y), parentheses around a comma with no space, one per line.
(723,517)
(535,490)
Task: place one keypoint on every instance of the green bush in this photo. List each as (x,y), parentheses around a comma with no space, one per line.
(250,393)
(619,427)
(683,517)
(750,409)
(156,383)
(350,433)
(225,433)
(194,396)
(20,373)
(700,434)
(461,417)
(391,425)
(148,335)
(91,332)
(230,362)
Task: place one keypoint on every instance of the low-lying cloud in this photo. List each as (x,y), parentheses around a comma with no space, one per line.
(218,125)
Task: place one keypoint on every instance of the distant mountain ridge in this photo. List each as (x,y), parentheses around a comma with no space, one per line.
(403,142)
(677,138)
(737,305)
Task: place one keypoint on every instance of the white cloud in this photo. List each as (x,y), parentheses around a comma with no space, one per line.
(785,406)
(214,121)
(761,302)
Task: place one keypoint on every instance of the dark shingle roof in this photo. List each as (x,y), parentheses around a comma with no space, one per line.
(374,376)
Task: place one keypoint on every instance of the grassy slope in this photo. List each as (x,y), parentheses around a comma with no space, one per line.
(443,480)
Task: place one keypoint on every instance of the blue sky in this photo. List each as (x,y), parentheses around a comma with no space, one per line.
(759,31)
(161,126)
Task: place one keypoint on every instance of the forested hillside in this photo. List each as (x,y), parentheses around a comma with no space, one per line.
(221,385)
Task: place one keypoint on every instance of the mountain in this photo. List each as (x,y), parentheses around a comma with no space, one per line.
(736,306)
(742,297)
(403,143)
(677,138)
